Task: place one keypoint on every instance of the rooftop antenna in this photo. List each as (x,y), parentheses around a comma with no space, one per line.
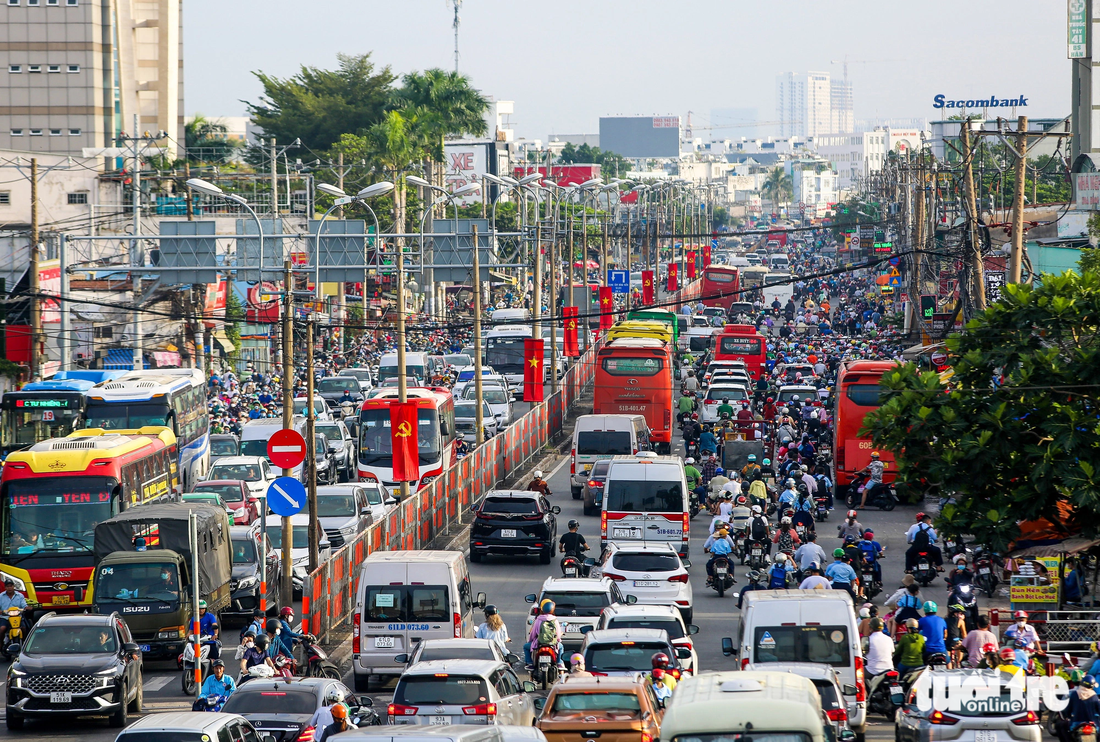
(458,6)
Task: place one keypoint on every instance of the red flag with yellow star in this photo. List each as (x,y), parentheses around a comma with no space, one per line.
(691,265)
(532,370)
(404,442)
(706,255)
(647,287)
(572,346)
(607,307)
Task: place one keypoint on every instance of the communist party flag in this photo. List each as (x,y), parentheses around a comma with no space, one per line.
(532,370)
(647,287)
(572,347)
(607,307)
(691,265)
(672,285)
(406,454)
(706,255)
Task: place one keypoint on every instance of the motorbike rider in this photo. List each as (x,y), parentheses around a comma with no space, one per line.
(1083,708)
(572,543)
(692,429)
(758,491)
(740,515)
(754,577)
(789,496)
(685,405)
(690,384)
(803,516)
(693,475)
(810,552)
(850,527)
(879,658)
(960,575)
(538,484)
(922,537)
(975,641)
(934,630)
(725,408)
(759,528)
(841,574)
(9,599)
(719,544)
(538,637)
(660,661)
(340,723)
(814,580)
(777,573)
(708,444)
(257,654)
(909,651)
(218,683)
(1022,629)
(875,469)
(766,468)
(576,666)
(287,635)
(785,537)
(714,486)
(750,467)
(872,550)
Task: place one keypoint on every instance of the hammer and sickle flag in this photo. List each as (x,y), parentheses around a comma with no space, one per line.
(403,439)
(572,347)
(532,370)
(647,287)
(691,265)
(673,284)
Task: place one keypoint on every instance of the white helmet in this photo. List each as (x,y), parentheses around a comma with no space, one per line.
(689,460)
(756,510)
(790,482)
(785,520)
(538,474)
(780,558)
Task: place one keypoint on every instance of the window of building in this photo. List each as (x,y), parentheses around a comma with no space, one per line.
(16,68)
(72,2)
(5,198)
(34,68)
(36,132)
(55,132)
(74,132)
(74,68)
(32,2)
(53,68)
(78,199)
(13,2)
(17,132)
(52,2)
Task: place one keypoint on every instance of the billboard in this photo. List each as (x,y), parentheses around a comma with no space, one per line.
(641,136)
(466,161)
(563,175)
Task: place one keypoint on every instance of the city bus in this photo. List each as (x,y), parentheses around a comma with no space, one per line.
(504,352)
(54,493)
(436,435)
(677,322)
(742,343)
(721,286)
(641,329)
(855,394)
(39,411)
(173,397)
(634,377)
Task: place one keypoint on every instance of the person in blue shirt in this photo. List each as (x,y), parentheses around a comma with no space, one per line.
(872,550)
(718,545)
(707,442)
(934,630)
(841,574)
(287,635)
(216,684)
(788,497)
(1071,586)
(9,599)
(208,627)
(755,578)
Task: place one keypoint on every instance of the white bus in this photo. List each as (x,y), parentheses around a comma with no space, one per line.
(504,352)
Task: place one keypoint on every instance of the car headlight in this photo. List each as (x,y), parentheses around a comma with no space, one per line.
(247,582)
(169,634)
(347,531)
(15,677)
(19,584)
(239,512)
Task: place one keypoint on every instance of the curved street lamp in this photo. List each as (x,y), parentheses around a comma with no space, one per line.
(343,199)
(209,189)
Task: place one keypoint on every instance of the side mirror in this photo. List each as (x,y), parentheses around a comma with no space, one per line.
(482,598)
(847,736)
(686,563)
(631,599)
(401,659)
(589,562)
(530,598)
(555,510)
(131,648)
(539,703)
(332,449)
(511,658)
(364,511)
(586,629)
(253,500)
(366,701)
(322,545)
(727,646)
(528,687)
(848,690)
(13,649)
(683,654)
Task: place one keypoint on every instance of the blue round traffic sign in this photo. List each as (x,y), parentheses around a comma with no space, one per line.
(286,496)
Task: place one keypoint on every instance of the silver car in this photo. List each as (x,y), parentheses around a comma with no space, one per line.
(499,399)
(457,649)
(462,692)
(972,721)
(466,420)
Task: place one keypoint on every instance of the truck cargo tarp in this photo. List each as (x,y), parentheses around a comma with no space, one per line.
(164,526)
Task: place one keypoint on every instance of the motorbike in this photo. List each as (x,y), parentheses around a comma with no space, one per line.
(886,498)
(285,666)
(691,448)
(187,662)
(985,571)
(868,583)
(924,572)
(318,665)
(755,553)
(694,505)
(821,508)
(15,633)
(212,702)
(572,565)
(965,595)
(723,576)
(545,671)
(886,695)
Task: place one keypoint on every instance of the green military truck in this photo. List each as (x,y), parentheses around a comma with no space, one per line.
(152,589)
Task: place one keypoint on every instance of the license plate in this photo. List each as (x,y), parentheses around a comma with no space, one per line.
(60,697)
(544,659)
(507,532)
(61,600)
(383,642)
(922,565)
(983,570)
(145,648)
(721,570)
(438,721)
(757,552)
(624,533)
(985,736)
(570,571)
(646,583)
(570,628)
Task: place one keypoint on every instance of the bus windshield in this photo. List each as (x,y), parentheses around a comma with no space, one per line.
(126,415)
(54,513)
(375,447)
(505,354)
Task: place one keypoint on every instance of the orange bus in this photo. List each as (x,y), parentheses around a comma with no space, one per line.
(634,377)
(435,417)
(742,343)
(53,494)
(855,394)
(721,286)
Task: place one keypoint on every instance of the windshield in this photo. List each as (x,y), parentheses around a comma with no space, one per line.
(603,442)
(55,513)
(331,432)
(257,447)
(456,653)
(319,406)
(206,498)
(492,395)
(726,392)
(275,536)
(406,603)
(584,603)
(671,625)
(363,374)
(374,495)
(390,372)
(330,506)
(505,354)
(272,702)
(223,447)
(864,395)
(244,551)
(59,638)
(137,583)
(510,505)
(737,737)
(826,644)
(125,416)
(569,706)
(645,562)
(461,360)
(468,411)
(452,690)
(636,657)
(228,492)
(741,345)
(645,497)
(247,472)
(375,442)
(338,385)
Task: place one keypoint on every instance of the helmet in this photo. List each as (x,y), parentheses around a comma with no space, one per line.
(838,553)
(1020,642)
(919,517)
(547,606)
(930,607)
(814,567)
(338,711)
(1088,681)
(574,523)
(785,520)
(725,400)
(689,460)
(864,612)
(780,558)
(767,462)
(537,474)
(202,604)
(272,625)
(286,611)
(261,642)
(876,624)
(658,673)
(868,535)
(576,659)
(752,457)
(911,623)
(989,647)
(217,663)
(959,558)
(956,608)
(659,659)
(756,510)
(1008,653)
(1020,615)
(755,576)
(695,416)
(490,610)
(874,454)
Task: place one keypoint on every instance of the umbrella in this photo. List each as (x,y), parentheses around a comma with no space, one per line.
(590,265)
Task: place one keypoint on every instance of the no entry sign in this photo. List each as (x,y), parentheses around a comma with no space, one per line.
(286,449)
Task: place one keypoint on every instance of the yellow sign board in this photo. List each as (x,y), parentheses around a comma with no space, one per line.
(1034,580)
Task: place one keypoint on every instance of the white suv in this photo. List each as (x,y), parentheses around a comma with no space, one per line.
(578,603)
(654,617)
(651,573)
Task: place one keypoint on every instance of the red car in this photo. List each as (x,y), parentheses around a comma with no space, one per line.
(246,509)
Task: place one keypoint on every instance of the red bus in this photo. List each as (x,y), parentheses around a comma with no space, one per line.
(856,393)
(634,377)
(53,494)
(742,343)
(436,435)
(721,286)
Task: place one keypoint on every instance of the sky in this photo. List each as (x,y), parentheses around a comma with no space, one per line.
(565,63)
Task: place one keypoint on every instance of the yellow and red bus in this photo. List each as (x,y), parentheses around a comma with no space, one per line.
(856,393)
(435,418)
(54,493)
(634,377)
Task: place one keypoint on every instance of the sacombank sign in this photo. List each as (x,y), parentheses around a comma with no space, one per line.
(942,101)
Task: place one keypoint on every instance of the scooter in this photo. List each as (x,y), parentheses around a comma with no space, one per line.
(885,498)
(211,702)
(985,573)
(318,664)
(867,580)
(572,566)
(924,572)
(187,662)
(821,508)
(545,671)
(886,695)
(755,553)
(964,594)
(15,627)
(723,576)
(285,666)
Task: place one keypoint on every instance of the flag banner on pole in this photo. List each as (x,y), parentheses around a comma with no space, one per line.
(647,287)
(572,347)
(403,439)
(691,266)
(706,255)
(532,370)
(607,307)
(672,285)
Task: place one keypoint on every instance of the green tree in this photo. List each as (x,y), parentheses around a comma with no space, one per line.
(207,140)
(317,106)
(1090,256)
(777,187)
(1013,434)
(720,217)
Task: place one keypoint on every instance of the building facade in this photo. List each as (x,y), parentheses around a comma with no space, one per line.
(853,156)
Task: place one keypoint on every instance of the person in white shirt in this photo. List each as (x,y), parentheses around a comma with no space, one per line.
(880,652)
(815,581)
(809,552)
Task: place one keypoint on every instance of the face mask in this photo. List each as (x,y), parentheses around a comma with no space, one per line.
(960,567)
(165,577)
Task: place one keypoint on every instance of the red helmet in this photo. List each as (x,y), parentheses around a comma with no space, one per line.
(286,611)
(658,673)
(919,516)
(852,514)
(1008,653)
(1020,614)
(989,647)
(695,416)
(660,660)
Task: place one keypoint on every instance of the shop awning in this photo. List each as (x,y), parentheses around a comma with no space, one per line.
(166,358)
(223,340)
(911,353)
(1069,546)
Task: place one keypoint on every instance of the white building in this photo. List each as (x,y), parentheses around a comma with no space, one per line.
(814,184)
(853,156)
(803,104)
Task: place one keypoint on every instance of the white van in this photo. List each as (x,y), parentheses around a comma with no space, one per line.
(779,261)
(256,433)
(404,597)
(416,364)
(646,500)
(598,437)
(776,287)
(518,314)
(804,626)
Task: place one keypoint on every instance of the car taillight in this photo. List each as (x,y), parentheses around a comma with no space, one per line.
(840,457)
(668,418)
(367,477)
(679,578)
(573,461)
(938,717)
(595,483)
(744,663)
(485,709)
(710,401)
(306,735)
(396,709)
(355,633)
(647,737)
(861,691)
(1032,718)
(687,525)
(458,626)
(603,523)
(840,714)
(891,674)
(615,577)
(674,673)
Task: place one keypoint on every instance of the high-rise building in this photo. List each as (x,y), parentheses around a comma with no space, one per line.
(812,104)
(78,71)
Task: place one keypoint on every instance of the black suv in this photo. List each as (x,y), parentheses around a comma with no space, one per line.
(75,665)
(514,522)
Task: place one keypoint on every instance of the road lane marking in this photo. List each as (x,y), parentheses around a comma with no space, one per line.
(156,683)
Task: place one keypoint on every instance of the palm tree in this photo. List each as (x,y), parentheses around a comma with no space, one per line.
(207,141)
(777,187)
(392,144)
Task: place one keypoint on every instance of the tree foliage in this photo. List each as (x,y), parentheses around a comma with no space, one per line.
(612,164)
(207,140)
(443,104)
(777,186)
(1014,433)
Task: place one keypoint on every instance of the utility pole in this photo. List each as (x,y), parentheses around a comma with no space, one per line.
(311,445)
(399,293)
(479,418)
(287,592)
(603,258)
(920,241)
(274,190)
(536,307)
(554,300)
(135,252)
(340,180)
(977,267)
(36,301)
(1017,257)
